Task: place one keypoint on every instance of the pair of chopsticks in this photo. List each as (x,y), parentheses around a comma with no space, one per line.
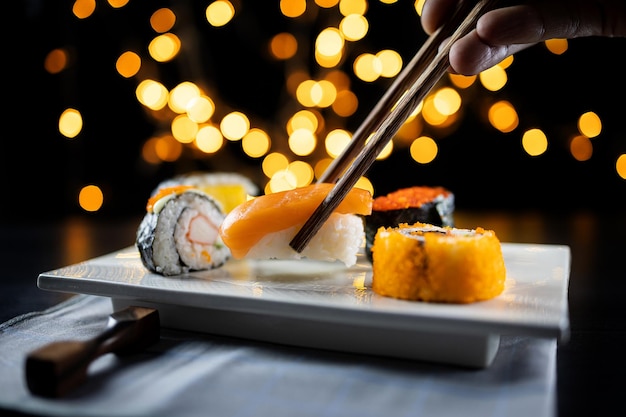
(411,86)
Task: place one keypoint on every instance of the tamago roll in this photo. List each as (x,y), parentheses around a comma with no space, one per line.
(424,262)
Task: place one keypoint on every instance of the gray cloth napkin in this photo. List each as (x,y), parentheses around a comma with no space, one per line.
(192,374)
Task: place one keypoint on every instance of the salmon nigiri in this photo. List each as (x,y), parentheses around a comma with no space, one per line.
(261,228)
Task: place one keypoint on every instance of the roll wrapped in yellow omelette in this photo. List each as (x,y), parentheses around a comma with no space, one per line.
(424,262)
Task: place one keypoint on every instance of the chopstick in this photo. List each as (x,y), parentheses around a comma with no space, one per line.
(410,88)
(407,77)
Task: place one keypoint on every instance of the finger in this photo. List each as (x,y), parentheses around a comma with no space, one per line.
(540,21)
(470,55)
(436,12)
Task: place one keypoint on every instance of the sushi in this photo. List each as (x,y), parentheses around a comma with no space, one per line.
(423,262)
(434,205)
(262,228)
(179,232)
(229,188)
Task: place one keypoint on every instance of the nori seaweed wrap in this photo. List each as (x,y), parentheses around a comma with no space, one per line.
(423,204)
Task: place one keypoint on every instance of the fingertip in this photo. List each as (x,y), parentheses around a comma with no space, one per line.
(435,13)
(468,56)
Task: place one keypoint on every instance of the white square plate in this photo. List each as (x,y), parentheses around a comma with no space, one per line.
(328,306)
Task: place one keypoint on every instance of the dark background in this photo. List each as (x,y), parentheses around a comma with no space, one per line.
(42,171)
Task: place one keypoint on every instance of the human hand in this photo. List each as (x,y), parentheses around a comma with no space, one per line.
(509,29)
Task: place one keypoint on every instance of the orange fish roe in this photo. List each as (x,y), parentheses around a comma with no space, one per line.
(408,197)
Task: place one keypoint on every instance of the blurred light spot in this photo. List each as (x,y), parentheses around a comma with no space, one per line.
(321,93)
(161,148)
(304,119)
(336,141)
(209,139)
(219,13)
(556,46)
(354,27)
(292,8)
(128,64)
(581,148)
(391,63)
(431,114)
(345,104)
(321,166)
(302,171)
(326,3)
(339,78)
(256,143)
(182,95)
(419,5)
(494,78)
(329,42)
(367,67)
(462,81)
(162,20)
(234,125)
(447,101)
(620,166)
(274,162)
(282,180)
(502,116)
(384,154)
(534,142)
(348,7)
(70,123)
(283,45)
(164,47)
(364,184)
(56,61)
(83,8)
(423,150)
(303,93)
(324,94)
(506,62)
(152,94)
(184,129)
(328,61)
(302,142)
(589,124)
(409,130)
(116,4)
(90,198)
(200,109)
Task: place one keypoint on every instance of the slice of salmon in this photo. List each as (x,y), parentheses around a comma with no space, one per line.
(249,222)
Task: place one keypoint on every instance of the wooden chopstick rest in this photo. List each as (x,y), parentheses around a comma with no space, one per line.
(55,369)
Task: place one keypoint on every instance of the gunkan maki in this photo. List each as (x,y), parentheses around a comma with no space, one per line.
(424,204)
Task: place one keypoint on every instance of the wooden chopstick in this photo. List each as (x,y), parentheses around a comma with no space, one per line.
(407,77)
(413,85)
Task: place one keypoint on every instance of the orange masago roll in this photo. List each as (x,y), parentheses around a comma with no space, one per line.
(423,262)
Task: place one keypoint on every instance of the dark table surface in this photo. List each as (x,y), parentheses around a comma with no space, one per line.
(590,364)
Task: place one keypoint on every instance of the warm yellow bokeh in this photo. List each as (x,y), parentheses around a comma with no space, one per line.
(128,64)
(70,123)
(534,142)
(219,12)
(90,198)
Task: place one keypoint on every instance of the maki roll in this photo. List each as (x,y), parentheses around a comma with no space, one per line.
(229,188)
(179,232)
(433,205)
(262,228)
(423,262)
